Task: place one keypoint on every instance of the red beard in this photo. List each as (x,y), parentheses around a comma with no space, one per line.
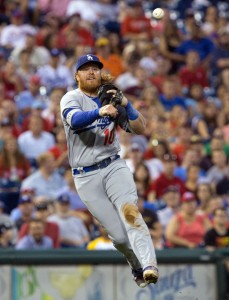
(90,87)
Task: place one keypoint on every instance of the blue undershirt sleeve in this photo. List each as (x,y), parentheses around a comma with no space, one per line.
(83,118)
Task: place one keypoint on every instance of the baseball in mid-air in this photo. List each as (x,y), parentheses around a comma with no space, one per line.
(158,13)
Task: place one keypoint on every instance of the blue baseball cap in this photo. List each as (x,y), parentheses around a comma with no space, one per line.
(24,199)
(88,58)
(55,52)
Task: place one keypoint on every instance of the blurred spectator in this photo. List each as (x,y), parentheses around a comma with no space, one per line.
(77,27)
(102,242)
(14,34)
(166,179)
(60,151)
(171,199)
(6,235)
(193,176)
(37,108)
(50,229)
(170,39)
(70,191)
(156,150)
(25,99)
(150,97)
(136,26)
(204,193)
(161,74)
(55,73)
(219,168)
(14,168)
(217,143)
(73,232)
(142,175)
(218,236)
(39,55)
(36,238)
(222,187)
(112,63)
(182,141)
(169,97)
(220,55)
(25,207)
(187,228)
(35,141)
(210,22)
(51,113)
(13,84)
(5,219)
(25,69)
(46,180)
(135,156)
(203,45)
(192,72)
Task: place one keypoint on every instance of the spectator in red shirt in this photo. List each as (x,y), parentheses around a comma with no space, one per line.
(13,84)
(84,36)
(192,72)
(187,227)
(60,150)
(135,25)
(166,179)
(51,229)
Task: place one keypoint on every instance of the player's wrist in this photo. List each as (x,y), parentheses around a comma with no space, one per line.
(132,113)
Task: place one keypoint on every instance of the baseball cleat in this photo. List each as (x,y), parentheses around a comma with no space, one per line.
(138,278)
(150,274)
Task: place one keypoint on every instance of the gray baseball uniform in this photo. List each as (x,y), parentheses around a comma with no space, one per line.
(105,190)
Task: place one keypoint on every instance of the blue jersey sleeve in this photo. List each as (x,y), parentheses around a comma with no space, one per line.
(81,119)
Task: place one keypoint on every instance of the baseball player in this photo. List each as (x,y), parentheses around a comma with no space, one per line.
(103,180)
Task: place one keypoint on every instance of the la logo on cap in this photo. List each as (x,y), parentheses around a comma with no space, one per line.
(89,57)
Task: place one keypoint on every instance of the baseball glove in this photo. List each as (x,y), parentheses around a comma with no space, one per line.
(116,100)
(109,98)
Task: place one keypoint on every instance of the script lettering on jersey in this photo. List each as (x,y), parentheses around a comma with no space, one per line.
(104,122)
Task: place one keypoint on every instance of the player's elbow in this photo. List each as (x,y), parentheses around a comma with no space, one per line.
(138,126)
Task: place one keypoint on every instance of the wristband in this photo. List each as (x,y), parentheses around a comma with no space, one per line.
(132,113)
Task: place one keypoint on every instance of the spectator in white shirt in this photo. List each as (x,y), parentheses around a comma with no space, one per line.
(14,35)
(73,232)
(55,74)
(46,181)
(35,141)
(171,197)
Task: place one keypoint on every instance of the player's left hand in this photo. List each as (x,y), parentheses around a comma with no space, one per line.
(118,98)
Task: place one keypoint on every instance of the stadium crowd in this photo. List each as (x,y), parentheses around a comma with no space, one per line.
(175,71)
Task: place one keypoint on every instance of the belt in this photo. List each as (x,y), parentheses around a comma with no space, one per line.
(101,165)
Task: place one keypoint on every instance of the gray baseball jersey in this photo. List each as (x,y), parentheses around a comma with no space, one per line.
(90,144)
(105,190)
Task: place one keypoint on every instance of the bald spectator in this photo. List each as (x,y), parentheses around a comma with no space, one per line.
(35,141)
(36,238)
(73,232)
(42,212)
(46,181)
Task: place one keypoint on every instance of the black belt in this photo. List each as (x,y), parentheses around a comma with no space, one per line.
(101,165)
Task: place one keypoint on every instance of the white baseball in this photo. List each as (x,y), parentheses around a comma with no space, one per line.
(158,13)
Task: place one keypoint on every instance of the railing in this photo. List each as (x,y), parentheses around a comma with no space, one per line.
(76,257)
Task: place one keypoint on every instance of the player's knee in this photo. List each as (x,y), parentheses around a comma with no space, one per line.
(131,213)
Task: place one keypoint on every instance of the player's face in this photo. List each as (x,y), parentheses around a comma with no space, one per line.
(89,78)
